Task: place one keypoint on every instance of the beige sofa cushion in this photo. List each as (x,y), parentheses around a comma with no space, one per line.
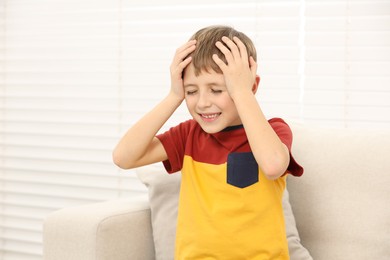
(163,191)
(342,202)
(164,196)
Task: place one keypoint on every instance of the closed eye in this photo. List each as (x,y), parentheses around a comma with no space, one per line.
(216,91)
(191,92)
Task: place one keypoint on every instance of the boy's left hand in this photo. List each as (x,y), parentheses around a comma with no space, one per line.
(240,71)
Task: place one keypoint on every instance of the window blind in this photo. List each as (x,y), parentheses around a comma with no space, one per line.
(347,63)
(75,74)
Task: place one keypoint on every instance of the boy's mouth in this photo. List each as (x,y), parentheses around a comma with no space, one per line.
(210,116)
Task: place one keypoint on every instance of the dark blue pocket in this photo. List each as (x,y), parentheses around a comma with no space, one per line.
(242,169)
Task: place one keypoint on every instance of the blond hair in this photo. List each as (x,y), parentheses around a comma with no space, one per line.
(205,47)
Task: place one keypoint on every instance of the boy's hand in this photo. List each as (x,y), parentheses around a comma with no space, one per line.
(179,63)
(239,72)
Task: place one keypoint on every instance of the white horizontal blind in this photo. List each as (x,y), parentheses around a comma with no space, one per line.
(277,32)
(347,63)
(75,74)
(59,115)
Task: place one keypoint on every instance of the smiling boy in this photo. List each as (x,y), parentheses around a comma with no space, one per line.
(233,160)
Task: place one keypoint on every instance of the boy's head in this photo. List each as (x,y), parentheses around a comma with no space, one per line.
(205,47)
(206,94)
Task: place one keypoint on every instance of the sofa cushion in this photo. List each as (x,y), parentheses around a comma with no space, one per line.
(164,196)
(342,202)
(163,189)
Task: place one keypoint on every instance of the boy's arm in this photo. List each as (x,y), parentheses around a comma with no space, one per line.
(139,146)
(270,153)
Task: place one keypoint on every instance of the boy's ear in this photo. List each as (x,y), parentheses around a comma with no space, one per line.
(256,84)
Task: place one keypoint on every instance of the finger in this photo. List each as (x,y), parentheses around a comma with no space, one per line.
(182,59)
(219,62)
(242,49)
(184,51)
(253,66)
(184,63)
(186,45)
(233,47)
(225,50)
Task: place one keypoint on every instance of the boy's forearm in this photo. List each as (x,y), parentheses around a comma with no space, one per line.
(270,153)
(137,139)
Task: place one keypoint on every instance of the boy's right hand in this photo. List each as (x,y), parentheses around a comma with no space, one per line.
(179,63)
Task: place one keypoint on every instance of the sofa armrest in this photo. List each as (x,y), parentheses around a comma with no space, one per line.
(119,229)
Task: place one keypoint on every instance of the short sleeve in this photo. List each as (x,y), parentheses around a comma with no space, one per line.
(174,143)
(282,129)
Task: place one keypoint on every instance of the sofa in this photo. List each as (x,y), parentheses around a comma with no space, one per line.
(338,210)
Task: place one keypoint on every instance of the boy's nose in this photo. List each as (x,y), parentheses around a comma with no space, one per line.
(204,100)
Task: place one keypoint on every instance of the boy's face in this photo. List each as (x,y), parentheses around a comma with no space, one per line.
(208,100)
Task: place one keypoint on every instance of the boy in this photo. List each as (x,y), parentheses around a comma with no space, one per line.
(233,161)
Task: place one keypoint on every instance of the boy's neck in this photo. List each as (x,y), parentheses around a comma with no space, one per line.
(233,127)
